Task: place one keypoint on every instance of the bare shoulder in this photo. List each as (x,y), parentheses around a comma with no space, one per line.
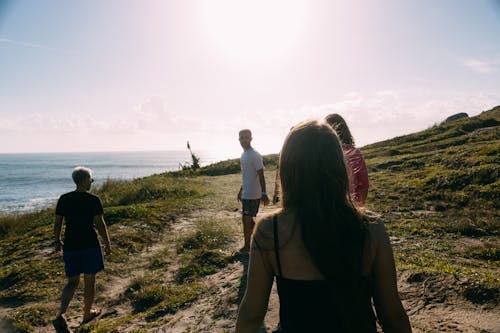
(264,232)
(376,226)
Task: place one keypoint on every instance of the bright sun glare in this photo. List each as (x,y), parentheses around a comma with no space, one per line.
(256,30)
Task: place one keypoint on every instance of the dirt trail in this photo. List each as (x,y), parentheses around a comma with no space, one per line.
(434,303)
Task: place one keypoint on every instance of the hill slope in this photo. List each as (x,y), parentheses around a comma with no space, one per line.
(442,186)
(173,234)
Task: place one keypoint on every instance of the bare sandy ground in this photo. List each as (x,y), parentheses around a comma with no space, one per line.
(434,303)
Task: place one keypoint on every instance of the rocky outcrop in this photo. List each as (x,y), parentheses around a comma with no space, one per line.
(456,117)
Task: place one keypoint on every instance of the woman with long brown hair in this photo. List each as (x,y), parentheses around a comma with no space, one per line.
(330,260)
(355,162)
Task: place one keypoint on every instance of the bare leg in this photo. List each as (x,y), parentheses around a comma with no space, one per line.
(88,295)
(248,224)
(67,294)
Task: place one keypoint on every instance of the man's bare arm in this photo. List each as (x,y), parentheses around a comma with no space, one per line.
(238,197)
(57,233)
(103,232)
(262,181)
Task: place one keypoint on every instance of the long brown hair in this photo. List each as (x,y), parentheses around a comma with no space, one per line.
(340,126)
(315,184)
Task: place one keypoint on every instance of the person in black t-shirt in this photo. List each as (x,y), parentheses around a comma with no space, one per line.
(82,214)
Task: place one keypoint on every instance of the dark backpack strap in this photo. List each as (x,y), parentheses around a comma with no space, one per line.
(276,244)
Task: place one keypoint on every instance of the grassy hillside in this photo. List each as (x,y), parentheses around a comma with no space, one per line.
(137,213)
(451,168)
(438,190)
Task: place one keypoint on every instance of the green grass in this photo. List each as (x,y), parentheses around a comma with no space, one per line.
(207,234)
(203,248)
(438,186)
(27,318)
(174,299)
(136,215)
(158,187)
(438,191)
(21,224)
(203,263)
(227,167)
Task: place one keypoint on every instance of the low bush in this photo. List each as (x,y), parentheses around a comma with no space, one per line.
(204,263)
(114,214)
(208,234)
(175,299)
(21,224)
(123,193)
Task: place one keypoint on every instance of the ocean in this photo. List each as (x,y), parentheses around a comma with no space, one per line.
(29,182)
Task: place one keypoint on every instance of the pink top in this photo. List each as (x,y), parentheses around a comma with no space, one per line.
(357,172)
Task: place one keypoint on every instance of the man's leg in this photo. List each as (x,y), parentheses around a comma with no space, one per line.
(248,225)
(60,323)
(67,294)
(88,295)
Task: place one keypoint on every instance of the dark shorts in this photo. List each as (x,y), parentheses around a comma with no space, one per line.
(86,261)
(250,206)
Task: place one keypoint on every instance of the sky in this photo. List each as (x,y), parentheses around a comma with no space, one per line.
(123,75)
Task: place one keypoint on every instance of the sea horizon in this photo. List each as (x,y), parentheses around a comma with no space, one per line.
(33,181)
(92,152)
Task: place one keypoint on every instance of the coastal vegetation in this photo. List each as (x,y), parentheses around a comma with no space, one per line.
(438,191)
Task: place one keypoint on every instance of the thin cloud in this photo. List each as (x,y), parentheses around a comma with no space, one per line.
(39,123)
(371,117)
(381,115)
(25,44)
(482,66)
(388,93)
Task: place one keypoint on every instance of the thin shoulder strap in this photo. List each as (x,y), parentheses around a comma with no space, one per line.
(276,244)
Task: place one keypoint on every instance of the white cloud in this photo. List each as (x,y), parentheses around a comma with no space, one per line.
(351,94)
(482,66)
(381,115)
(26,44)
(152,125)
(153,107)
(388,93)
(37,122)
(152,116)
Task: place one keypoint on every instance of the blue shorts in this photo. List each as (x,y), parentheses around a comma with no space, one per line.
(250,206)
(86,261)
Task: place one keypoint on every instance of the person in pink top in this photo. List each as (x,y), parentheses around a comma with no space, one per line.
(355,162)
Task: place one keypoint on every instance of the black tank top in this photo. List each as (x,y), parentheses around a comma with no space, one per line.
(309,305)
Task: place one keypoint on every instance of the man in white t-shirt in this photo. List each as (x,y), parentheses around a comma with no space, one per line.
(253,189)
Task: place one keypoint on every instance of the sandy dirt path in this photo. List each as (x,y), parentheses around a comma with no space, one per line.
(434,303)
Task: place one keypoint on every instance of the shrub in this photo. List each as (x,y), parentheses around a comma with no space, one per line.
(204,263)
(21,224)
(485,253)
(123,193)
(118,213)
(475,123)
(208,234)
(32,316)
(175,298)
(148,297)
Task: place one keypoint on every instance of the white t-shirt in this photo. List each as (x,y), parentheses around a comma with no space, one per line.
(251,162)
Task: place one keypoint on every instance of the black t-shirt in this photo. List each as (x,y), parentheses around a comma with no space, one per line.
(79,209)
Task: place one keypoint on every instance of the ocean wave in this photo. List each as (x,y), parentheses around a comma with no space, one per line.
(31,205)
(30,182)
